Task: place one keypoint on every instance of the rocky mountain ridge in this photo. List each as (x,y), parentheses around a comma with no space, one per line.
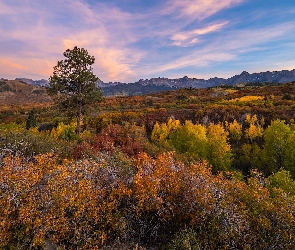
(163,84)
(40,83)
(245,77)
(155,84)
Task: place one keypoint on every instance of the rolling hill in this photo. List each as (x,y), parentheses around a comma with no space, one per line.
(17,92)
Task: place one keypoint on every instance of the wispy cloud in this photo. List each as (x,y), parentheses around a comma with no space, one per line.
(200,9)
(188,38)
(24,67)
(200,59)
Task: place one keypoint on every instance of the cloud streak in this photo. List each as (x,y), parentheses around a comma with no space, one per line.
(188,38)
(200,9)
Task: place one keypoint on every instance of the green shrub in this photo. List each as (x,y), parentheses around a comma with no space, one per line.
(186,239)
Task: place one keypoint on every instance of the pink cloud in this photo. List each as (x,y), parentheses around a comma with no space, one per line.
(201,9)
(37,68)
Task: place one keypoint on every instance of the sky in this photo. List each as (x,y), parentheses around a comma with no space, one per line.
(142,39)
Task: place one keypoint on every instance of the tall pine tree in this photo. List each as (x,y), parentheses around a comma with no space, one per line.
(73,84)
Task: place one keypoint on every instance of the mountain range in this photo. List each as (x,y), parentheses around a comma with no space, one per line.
(164,84)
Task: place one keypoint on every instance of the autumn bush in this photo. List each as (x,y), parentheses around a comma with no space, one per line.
(65,131)
(16,140)
(73,204)
(128,138)
(154,202)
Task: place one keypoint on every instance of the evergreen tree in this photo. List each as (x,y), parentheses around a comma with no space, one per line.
(31,121)
(73,84)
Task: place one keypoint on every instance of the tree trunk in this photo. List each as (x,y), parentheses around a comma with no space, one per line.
(79,119)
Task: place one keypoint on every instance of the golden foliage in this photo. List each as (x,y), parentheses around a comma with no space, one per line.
(235,130)
(247,98)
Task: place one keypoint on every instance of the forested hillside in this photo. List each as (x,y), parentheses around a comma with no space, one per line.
(191,168)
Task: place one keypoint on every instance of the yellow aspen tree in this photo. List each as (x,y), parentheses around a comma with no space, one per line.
(276,136)
(289,154)
(220,155)
(254,130)
(160,132)
(190,138)
(235,130)
(172,124)
(251,119)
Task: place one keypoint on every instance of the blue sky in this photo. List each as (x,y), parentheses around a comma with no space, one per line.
(134,39)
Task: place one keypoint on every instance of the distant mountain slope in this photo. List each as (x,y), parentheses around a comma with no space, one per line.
(163,84)
(16,92)
(41,83)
